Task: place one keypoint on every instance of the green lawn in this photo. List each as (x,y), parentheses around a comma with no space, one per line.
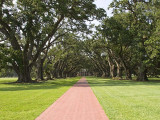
(128,100)
(27,101)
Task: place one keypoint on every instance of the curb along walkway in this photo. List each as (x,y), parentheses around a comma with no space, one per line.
(78,103)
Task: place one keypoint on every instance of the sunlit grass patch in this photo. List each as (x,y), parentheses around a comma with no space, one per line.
(128,100)
(26,101)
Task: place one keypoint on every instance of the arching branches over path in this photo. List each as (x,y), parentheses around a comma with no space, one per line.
(129,40)
(28,26)
(65,59)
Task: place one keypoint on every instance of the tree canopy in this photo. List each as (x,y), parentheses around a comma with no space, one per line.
(51,38)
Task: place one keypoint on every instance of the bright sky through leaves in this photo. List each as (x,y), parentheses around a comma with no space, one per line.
(104,4)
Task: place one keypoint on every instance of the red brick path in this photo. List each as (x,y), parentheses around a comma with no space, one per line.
(78,103)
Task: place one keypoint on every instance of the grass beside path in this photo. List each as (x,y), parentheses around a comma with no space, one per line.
(128,100)
(27,101)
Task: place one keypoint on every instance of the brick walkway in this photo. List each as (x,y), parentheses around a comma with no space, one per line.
(78,103)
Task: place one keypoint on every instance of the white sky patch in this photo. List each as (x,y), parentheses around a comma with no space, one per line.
(14,1)
(103,4)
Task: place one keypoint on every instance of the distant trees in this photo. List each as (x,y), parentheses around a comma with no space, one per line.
(7,73)
(130,39)
(97,63)
(65,59)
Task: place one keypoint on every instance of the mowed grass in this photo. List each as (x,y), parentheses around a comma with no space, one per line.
(128,100)
(27,101)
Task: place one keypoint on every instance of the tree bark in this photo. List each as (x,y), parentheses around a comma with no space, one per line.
(40,69)
(119,70)
(23,70)
(142,73)
(128,72)
(112,68)
(105,74)
(48,74)
(24,75)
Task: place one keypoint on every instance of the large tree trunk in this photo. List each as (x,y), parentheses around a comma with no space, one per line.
(24,74)
(142,73)
(24,77)
(142,70)
(23,70)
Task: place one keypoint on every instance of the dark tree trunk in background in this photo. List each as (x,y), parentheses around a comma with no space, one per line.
(127,70)
(40,69)
(119,70)
(48,74)
(112,68)
(128,74)
(55,75)
(64,74)
(142,70)
(105,74)
(60,74)
(119,73)
(112,71)
(142,73)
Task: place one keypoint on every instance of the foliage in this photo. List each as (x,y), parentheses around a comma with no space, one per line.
(7,73)
(30,27)
(130,37)
(65,59)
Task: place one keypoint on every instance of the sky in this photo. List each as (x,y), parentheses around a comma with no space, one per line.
(104,4)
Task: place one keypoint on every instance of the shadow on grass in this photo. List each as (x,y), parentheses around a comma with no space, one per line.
(109,82)
(36,86)
(54,84)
